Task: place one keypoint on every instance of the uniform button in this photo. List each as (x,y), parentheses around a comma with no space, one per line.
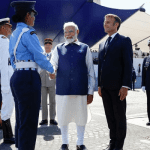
(71,79)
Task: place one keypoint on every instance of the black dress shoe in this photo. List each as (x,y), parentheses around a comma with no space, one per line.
(81,147)
(64,147)
(7,132)
(110,147)
(118,149)
(43,122)
(148,124)
(53,122)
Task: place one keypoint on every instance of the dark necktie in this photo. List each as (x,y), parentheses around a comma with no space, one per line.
(108,42)
(109,38)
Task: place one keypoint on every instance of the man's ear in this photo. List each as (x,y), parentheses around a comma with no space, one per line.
(77,32)
(117,24)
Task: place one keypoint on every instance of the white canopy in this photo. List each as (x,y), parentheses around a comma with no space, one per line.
(137,27)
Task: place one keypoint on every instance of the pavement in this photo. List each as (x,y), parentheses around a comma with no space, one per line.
(97,133)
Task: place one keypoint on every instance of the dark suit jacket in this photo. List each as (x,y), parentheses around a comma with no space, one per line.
(115,68)
(146,73)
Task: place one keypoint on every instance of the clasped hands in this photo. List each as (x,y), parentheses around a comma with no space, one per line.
(122,93)
(52,76)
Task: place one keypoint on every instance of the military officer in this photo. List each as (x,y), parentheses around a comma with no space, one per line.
(6,73)
(146,81)
(26,57)
(48,88)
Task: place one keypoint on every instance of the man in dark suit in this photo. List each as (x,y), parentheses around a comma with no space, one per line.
(114,79)
(146,81)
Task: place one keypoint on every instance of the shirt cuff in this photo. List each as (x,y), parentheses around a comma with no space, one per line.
(90,91)
(50,72)
(126,87)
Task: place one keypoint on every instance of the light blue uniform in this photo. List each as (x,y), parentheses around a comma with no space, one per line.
(26,85)
(28,48)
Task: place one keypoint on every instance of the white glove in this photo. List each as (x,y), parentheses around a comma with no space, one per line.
(143,89)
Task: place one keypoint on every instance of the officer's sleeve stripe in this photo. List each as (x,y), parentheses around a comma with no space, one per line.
(32,32)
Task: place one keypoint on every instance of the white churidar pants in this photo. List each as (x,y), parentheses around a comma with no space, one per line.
(80,134)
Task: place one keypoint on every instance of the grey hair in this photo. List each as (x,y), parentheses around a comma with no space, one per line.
(72,24)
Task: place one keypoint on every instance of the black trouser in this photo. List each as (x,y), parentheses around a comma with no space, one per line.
(26,89)
(0,97)
(133,84)
(148,104)
(115,111)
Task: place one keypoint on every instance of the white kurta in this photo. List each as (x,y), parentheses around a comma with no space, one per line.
(6,73)
(73,108)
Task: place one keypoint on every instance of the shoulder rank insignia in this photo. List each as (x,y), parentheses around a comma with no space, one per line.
(4,37)
(32,32)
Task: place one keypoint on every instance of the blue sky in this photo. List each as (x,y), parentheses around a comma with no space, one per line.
(127,4)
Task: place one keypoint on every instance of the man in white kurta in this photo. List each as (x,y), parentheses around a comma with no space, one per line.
(6,73)
(75,83)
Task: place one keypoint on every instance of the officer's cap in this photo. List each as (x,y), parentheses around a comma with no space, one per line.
(48,41)
(24,5)
(5,21)
(148,42)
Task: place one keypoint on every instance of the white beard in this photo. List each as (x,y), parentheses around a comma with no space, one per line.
(72,39)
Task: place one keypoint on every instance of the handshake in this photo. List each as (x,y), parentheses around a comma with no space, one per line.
(53,75)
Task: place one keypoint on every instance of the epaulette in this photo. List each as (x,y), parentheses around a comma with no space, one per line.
(32,32)
(4,37)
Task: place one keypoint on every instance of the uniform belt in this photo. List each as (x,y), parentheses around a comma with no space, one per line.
(20,65)
(26,66)
(26,69)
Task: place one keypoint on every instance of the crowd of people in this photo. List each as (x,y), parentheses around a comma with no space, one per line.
(137,53)
(29,74)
